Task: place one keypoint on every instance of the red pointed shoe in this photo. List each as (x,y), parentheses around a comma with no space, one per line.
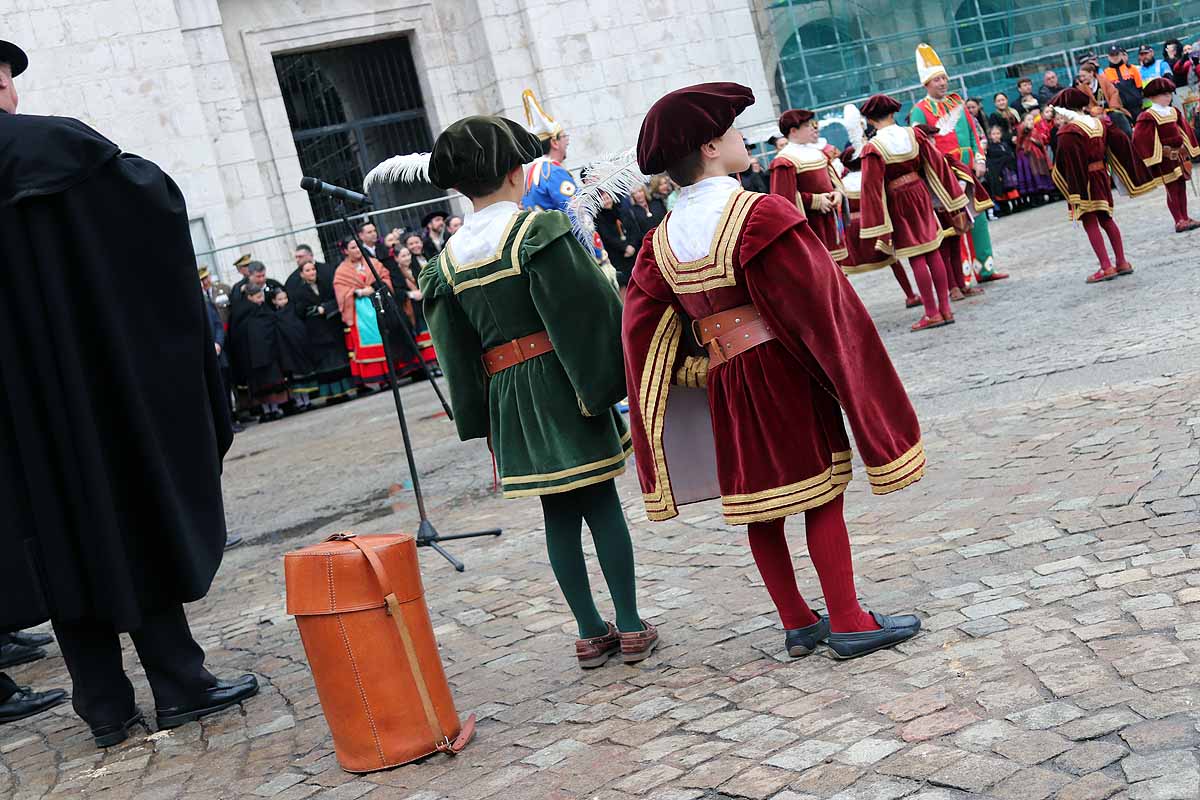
(995,276)
(1124,268)
(1101,275)
(912,302)
(936,321)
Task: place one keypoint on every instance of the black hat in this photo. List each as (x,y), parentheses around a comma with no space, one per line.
(13,56)
(1116,50)
(480,149)
(431,216)
(1145,49)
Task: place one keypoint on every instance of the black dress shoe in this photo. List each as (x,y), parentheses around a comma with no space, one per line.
(232,540)
(31,639)
(238,427)
(13,653)
(26,702)
(216,698)
(802,641)
(892,630)
(117,732)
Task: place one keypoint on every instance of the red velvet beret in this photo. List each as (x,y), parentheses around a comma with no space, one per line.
(679,122)
(1158,86)
(879,106)
(794,118)
(1072,99)
(849,157)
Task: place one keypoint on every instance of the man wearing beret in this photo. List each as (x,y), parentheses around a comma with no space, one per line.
(111,451)
(803,173)
(528,332)
(965,142)
(1167,145)
(787,339)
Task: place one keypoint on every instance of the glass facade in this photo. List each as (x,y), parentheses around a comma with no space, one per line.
(829,52)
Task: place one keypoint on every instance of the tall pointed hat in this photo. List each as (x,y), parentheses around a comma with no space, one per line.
(929,66)
(537,120)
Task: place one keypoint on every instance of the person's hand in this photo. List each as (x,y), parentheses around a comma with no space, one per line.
(416,295)
(835,198)
(320,310)
(629,251)
(980,169)
(367,291)
(821,203)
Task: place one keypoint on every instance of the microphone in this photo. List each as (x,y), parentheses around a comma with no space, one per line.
(314,186)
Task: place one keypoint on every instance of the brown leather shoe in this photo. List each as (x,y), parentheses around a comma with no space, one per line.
(594,652)
(637,646)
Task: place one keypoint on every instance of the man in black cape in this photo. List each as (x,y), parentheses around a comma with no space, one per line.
(112,422)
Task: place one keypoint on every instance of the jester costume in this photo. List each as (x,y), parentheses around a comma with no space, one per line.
(784,337)
(527,330)
(965,143)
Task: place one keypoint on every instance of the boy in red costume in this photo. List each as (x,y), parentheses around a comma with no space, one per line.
(903,176)
(1087,148)
(803,173)
(1167,145)
(787,339)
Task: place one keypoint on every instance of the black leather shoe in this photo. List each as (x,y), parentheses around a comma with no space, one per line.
(802,641)
(892,630)
(232,540)
(216,698)
(31,639)
(25,703)
(114,734)
(13,653)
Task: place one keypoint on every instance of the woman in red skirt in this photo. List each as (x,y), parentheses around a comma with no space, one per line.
(903,176)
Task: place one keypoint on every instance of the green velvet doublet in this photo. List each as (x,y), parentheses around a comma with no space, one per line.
(551,419)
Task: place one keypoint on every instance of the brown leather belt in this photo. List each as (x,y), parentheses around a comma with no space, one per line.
(903,180)
(1177,153)
(509,354)
(1097,166)
(728,333)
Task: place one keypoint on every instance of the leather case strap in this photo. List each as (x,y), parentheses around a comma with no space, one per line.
(441,740)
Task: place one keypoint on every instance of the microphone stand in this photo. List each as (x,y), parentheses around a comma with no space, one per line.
(385,305)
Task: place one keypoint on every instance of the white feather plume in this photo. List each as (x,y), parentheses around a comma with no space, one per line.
(856,127)
(948,123)
(825,122)
(615,175)
(411,168)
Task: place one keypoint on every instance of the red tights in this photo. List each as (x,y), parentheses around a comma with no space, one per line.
(902,279)
(1093,221)
(1177,199)
(829,548)
(952,260)
(930,275)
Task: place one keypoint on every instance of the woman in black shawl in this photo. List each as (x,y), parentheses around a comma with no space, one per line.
(294,357)
(255,332)
(316,306)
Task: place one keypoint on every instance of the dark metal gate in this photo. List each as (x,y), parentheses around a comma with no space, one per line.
(349,108)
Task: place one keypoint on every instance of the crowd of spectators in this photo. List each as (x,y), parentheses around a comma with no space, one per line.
(317,338)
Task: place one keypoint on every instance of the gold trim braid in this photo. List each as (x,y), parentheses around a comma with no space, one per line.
(652,396)
(900,472)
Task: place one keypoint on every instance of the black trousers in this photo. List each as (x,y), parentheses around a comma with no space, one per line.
(8,687)
(102,693)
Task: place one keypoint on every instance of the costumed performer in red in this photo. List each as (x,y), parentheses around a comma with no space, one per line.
(1087,148)
(904,175)
(1167,145)
(787,339)
(803,173)
(861,255)
(955,250)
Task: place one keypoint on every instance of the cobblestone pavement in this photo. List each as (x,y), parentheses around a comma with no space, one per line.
(1053,551)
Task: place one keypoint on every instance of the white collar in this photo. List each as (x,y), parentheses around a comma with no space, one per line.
(693,220)
(1162,111)
(481,233)
(852,181)
(895,140)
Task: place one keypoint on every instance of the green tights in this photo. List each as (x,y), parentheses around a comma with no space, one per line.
(564,514)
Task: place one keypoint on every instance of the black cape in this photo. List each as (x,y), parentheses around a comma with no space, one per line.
(112,420)
(255,338)
(326,339)
(292,338)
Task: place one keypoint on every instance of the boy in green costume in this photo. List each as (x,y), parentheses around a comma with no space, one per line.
(528,332)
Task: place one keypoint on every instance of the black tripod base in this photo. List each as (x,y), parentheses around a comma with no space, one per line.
(427,536)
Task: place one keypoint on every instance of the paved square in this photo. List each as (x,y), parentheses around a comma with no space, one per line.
(1053,551)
